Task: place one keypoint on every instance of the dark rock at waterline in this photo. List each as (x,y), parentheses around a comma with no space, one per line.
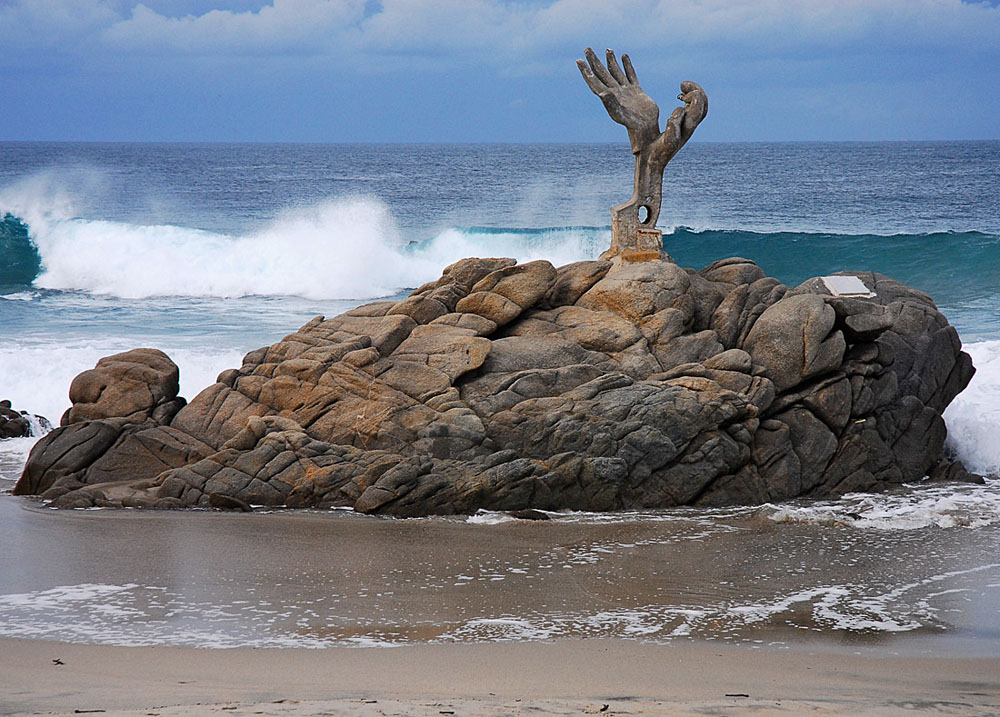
(529,514)
(12,423)
(954,472)
(20,424)
(602,385)
(221,501)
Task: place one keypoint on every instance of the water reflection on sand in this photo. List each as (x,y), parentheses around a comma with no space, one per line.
(314,579)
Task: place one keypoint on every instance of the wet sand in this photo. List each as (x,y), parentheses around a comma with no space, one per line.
(663,613)
(561,677)
(309,579)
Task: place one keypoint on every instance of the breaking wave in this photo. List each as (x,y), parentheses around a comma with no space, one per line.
(20,262)
(973,418)
(345,248)
(330,250)
(353,248)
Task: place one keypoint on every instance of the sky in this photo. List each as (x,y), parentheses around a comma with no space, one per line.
(491,70)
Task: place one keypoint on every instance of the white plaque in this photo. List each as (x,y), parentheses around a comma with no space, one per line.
(846,286)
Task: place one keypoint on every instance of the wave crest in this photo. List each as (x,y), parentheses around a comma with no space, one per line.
(345,248)
(335,250)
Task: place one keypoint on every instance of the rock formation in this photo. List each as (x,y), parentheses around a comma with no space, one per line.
(601,385)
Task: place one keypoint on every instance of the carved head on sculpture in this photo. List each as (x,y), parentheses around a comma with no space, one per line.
(633,223)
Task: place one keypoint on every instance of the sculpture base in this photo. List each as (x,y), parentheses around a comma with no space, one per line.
(639,243)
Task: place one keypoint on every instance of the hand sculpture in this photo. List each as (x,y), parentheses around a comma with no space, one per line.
(633,223)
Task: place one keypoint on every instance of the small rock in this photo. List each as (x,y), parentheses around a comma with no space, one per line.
(20,424)
(529,514)
(222,501)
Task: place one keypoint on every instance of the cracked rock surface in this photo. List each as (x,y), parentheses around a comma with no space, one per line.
(600,386)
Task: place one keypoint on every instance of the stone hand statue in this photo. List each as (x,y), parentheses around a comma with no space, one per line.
(633,223)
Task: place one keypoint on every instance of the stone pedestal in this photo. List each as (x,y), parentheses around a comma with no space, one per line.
(629,235)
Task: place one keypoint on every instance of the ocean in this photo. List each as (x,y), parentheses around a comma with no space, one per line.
(208,251)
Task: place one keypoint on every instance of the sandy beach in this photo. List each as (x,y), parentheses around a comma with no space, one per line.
(561,677)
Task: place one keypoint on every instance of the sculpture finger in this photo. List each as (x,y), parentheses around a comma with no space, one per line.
(614,107)
(629,70)
(614,69)
(692,89)
(602,73)
(595,85)
(672,130)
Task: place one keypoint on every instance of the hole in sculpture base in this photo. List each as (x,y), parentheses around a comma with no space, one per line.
(644,215)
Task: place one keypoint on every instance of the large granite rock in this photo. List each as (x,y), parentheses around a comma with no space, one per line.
(602,385)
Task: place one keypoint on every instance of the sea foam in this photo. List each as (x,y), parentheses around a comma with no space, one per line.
(340,248)
(973,418)
(335,250)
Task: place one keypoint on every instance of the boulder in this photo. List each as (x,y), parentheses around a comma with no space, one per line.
(606,385)
(65,453)
(130,386)
(502,295)
(124,404)
(794,339)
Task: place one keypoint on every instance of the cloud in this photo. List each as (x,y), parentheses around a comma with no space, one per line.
(299,26)
(771,27)
(52,24)
(497,30)
(286,59)
(446,25)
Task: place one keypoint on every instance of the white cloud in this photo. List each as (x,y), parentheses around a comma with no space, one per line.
(53,24)
(300,26)
(291,61)
(441,25)
(503,32)
(769,26)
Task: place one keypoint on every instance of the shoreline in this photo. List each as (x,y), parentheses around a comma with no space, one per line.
(559,677)
(223,580)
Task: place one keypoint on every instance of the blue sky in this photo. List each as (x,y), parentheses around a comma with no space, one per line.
(491,70)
